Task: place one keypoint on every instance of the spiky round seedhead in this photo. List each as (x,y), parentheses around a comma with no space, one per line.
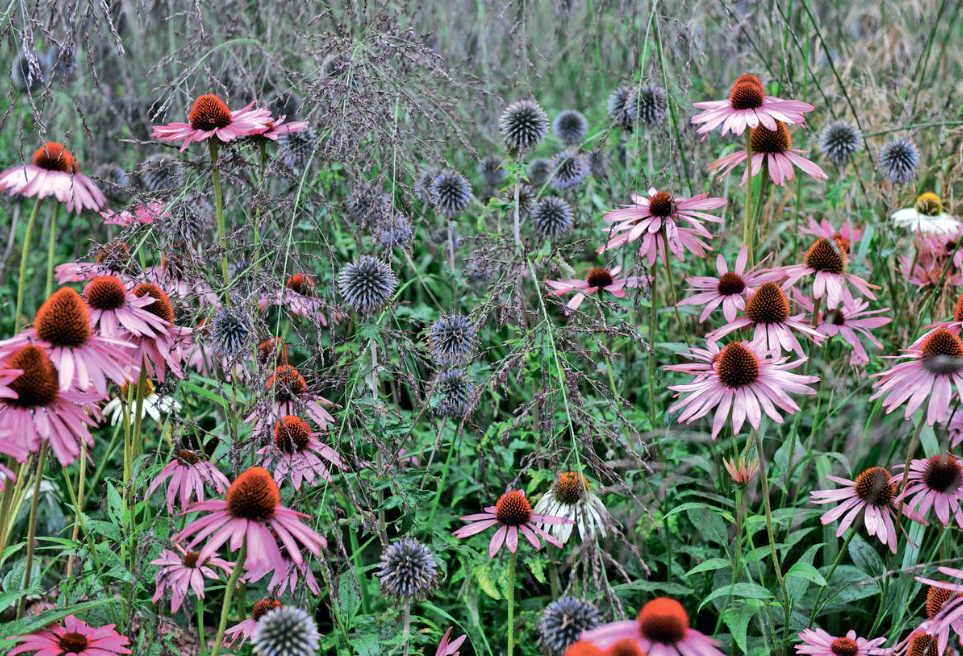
(523,125)
(286,631)
(563,621)
(492,170)
(454,389)
(423,185)
(367,205)
(570,170)
(451,339)
(159,172)
(394,231)
(296,148)
(29,72)
(284,103)
(113,181)
(898,159)
(189,221)
(230,334)
(408,571)
(570,126)
(539,171)
(552,217)
(840,140)
(367,285)
(618,108)
(647,105)
(452,192)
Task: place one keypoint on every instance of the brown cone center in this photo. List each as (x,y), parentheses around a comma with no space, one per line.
(54,157)
(291,434)
(37,386)
(942,353)
(737,366)
(844,647)
(63,320)
(162,306)
(209,113)
(874,488)
(253,496)
(105,293)
(301,284)
(826,255)
(664,620)
(73,642)
(943,473)
(599,278)
(730,284)
(764,140)
(768,305)
(660,204)
(287,383)
(570,488)
(513,509)
(746,95)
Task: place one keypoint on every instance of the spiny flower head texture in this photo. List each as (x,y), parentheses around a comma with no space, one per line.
(295,148)
(160,172)
(570,169)
(230,334)
(451,192)
(898,159)
(394,231)
(492,169)
(454,388)
(563,621)
(840,141)
(539,171)
(286,631)
(367,285)
(647,105)
(408,570)
(523,125)
(552,217)
(452,339)
(618,108)
(570,126)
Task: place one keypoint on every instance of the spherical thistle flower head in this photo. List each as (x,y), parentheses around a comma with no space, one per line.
(454,388)
(286,631)
(840,140)
(366,204)
(73,638)
(552,217)
(395,231)
(492,169)
(114,181)
(230,334)
(53,171)
(523,125)
(662,629)
(452,339)
(159,172)
(570,170)
(618,109)
(295,149)
(899,158)
(210,117)
(367,285)
(817,642)
(570,126)
(647,105)
(564,620)
(452,192)
(871,495)
(540,171)
(408,571)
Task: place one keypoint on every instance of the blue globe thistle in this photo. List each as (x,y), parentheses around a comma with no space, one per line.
(570,170)
(284,103)
(523,125)
(570,126)
(453,389)
(539,171)
(113,181)
(899,159)
(618,108)
(160,172)
(451,339)
(367,285)
(229,334)
(296,148)
(563,621)
(408,571)
(452,192)
(366,205)
(552,217)
(492,170)
(394,231)
(647,105)
(286,631)
(840,141)
(598,163)
(423,185)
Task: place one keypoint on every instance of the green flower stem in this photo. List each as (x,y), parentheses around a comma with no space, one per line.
(51,247)
(909,458)
(517,222)
(199,606)
(763,475)
(511,603)
(652,341)
(25,251)
(219,211)
(32,527)
(829,575)
(228,594)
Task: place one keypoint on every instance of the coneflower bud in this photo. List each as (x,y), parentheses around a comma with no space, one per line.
(408,571)
(286,631)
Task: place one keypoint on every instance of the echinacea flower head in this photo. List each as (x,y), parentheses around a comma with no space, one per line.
(871,495)
(367,285)
(928,217)
(929,372)
(286,631)
(183,571)
(276,128)
(899,158)
(570,170)
(454,388)
(210,117)
(729,289)
(740,381)
(571,496)
(934,483)
(661,630)
(850,320)
(249,512)
(73,638)
(451,339)
(448,647)
(297,453)
(748,106)
(288,394)
(944,608)
(937,598)
(272,352)
(817,642)
(523,125)
(115,310)
(408,571)
(552,217)
(570,126)
(826,261)
(564,620)
(772,147)
(451,192)
(840,140)
(164,350)
(187,473)
(647,105)
(512,514)
(54,171)
(245,628)
(597,278)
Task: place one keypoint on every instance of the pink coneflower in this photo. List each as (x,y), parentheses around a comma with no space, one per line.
(449,647)
(54,172)
(277,127)
(288,576)
(598,278)
(249,512)
(83,358)
(142,214)
(511,513)
(655,219)
(165,349)
(871,496)
(944,606)
(298,296)
(112,259)
(661,630)
(182,571)
(115,311)
(187,473)
(741,380)
(767,312)
(42,412)
(819,643)
(743,472)
(73,637)
(298,453)
(847,236)
(927,271)
(774,147)
(748,106)
(730,289)
(289,395)
(848,320)
(826,260)
(210,117)
(933,368)
(934,483)
(245,628)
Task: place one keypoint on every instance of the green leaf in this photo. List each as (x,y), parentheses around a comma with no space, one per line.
(807,572)
(740,590)
(709,565)
(484,576)
(709,525)
(865,557)
(349,601)
(737,618)
(206,393)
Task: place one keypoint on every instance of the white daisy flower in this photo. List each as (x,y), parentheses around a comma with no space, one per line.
(571,497)
(928,217)
(154,404)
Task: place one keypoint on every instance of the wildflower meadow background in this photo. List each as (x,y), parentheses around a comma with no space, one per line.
(565,328)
